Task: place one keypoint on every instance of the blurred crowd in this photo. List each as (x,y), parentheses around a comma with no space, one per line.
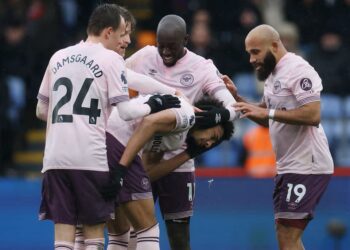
(32,30)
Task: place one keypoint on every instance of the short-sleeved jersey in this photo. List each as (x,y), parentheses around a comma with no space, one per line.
(123,130)
(299,149)
(193,75)
(80,84)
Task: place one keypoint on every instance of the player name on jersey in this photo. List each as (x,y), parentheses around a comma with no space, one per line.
(79,58)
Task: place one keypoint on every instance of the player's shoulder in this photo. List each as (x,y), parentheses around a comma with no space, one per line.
(199,61)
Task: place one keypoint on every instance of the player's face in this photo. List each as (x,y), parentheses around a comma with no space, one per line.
(170,49)
(115,37)
(262,59)
(207,137)
(125,40)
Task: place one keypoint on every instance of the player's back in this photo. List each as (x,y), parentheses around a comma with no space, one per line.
(80,94)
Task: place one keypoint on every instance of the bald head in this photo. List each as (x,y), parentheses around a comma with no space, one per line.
(172,24)
(171,39)
(265,48)
(264,33)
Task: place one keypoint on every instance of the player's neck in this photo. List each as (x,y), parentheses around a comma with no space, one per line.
(94,39)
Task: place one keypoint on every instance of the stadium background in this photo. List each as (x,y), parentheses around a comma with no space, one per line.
(233,210)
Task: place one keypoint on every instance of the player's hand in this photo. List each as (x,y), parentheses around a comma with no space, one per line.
(211,116)
(251,111)
(117,174)
(194,150)
(161,102)
(230,85)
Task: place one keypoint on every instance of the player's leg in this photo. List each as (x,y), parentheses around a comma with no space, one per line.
(141,215)
(79,238)
(178,231)
(176,195)
(94,236)
(295,199)
(57,204)
(64,236)
(289,237)
(93,210)
(118,231)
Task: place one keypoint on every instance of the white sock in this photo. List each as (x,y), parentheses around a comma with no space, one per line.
(148,239)
(94,244)
(63,245)
(118,241)
(79,238)
(133,240)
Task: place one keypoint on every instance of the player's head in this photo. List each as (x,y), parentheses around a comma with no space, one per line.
(107,26)
(130,24)
(206,137)
(171,39)
(265,48)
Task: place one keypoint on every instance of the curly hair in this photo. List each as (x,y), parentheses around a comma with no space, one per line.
(227,126)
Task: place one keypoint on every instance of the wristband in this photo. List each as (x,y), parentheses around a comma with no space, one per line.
(271,113)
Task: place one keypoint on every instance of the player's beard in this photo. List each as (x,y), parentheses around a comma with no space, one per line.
(266,67)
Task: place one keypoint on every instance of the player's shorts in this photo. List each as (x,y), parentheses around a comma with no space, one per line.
(73,197)
(136,184)
(175,193)
(296,195)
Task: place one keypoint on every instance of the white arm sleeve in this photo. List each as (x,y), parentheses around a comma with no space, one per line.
(132,109)
(147,85)
(225,96)
(42,110)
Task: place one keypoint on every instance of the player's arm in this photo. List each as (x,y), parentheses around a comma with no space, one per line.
(156,167)
(42,110)
(161,122)
(307,114)
(132,109)
(147,85)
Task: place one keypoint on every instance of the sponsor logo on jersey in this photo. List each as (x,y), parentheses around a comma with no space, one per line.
(156,142)
(187,79)
(152,72)
(305,84)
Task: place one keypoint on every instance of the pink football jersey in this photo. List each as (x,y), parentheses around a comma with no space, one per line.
(123,130)
(80,84)
(193,75)
(299,149)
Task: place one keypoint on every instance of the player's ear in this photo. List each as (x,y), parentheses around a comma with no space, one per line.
(107,32)
(187,37)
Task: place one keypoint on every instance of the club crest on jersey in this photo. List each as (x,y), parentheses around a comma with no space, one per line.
(277,87)
(305,84)
(187,79)
(123,77)
(145,182)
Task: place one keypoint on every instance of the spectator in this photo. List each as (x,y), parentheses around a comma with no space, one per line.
(331,51)
(260,157)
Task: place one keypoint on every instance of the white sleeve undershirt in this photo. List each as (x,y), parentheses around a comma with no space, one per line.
(225,96)
(129,110)
(147,85)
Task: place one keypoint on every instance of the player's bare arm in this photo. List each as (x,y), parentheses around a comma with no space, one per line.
(308,114)
(42,110)
(161,122)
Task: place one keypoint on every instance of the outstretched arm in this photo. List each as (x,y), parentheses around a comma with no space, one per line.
(157,168)
(161,122)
